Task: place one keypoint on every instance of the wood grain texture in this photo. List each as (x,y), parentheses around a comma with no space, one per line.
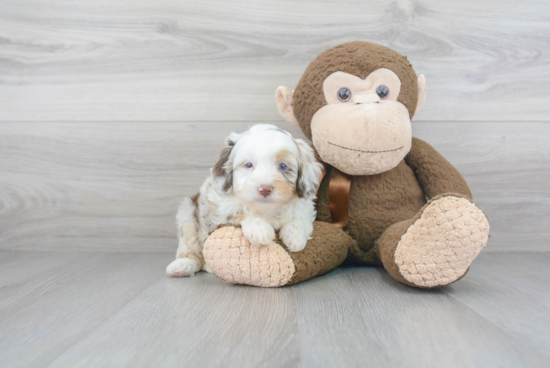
(45,313)
(172,60)
(116,186)
(195,322)
(526,278)
(381,323)
(119,309)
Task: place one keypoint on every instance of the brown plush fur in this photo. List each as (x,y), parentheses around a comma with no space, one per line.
(378,201)
(428,165)
(357,58)
(326,251)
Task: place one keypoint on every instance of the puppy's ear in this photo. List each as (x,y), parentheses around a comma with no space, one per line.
(223,169)
(309,171)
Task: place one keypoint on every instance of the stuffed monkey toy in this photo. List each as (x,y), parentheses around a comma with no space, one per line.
(386,199)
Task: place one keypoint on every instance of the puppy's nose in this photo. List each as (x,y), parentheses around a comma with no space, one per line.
(265,189)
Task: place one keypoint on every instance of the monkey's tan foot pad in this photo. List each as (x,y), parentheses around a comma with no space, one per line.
(232,258)
(440,245)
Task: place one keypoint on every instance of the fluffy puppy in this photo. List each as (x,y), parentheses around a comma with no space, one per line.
(265,180)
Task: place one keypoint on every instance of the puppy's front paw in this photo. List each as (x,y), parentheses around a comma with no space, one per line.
(182,267)
(294,238)
(257,231)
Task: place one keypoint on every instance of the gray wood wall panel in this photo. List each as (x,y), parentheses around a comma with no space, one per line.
(116,186)
(175,60)
(110,112)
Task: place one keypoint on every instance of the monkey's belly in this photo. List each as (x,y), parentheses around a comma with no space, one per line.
(376,202)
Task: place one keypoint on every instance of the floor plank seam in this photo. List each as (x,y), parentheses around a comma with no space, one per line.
(518,340)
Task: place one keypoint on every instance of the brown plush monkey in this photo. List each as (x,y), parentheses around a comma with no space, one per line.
(387,198)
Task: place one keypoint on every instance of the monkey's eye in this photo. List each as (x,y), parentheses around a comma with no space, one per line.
(283,167)
(249,165)
(382,92)
(344,94)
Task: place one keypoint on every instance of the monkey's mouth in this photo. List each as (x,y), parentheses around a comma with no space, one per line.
(358,150)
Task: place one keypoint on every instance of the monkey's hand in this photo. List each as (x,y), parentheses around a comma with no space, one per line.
(232,258)
(258,231)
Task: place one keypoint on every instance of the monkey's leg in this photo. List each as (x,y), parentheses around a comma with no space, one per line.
(231,257)
(437,246)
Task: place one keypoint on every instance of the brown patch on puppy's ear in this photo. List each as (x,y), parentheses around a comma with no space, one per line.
(222,168)
(300,189)
(219,167)
(228,182)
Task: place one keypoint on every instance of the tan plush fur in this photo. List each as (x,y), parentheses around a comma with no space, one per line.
(435,247)
(233,259)
(267,266)
(438,247)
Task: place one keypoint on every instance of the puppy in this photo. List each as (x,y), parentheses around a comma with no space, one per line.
(265,180)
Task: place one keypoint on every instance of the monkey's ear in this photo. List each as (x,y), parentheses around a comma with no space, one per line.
(285,98)
(421,93)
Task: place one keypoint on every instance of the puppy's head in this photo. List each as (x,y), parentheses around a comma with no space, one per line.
(266,168)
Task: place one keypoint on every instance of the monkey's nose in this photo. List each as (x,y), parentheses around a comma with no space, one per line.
(265,189)
(367,98)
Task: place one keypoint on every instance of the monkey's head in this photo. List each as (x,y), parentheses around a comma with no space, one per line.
(355,101)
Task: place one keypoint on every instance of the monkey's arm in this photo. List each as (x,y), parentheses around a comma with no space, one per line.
(434,173)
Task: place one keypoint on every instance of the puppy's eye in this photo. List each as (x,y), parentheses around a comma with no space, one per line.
(283,167)
(344,94)
(382,92)
(249,165)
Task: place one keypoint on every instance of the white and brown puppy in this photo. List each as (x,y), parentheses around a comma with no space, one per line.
(264,181)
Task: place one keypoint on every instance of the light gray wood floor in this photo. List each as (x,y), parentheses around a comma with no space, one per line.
(96,309)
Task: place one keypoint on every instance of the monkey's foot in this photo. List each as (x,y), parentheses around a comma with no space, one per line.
(438,248)
(232,258)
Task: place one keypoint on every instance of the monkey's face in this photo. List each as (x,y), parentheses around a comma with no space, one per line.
(360,122)
(363,129)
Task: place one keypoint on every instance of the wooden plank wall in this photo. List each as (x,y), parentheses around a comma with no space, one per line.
(110,111)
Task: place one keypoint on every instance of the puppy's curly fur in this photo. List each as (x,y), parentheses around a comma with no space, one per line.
(265,180)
